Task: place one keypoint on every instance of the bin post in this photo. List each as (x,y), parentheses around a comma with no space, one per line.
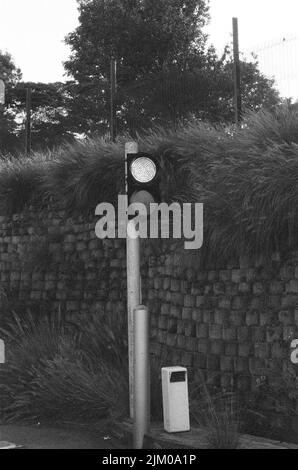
(141,376)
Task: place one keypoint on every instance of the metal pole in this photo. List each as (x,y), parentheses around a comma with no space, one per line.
(141,379)
(2,92)
(28,122)
(113,74)
(237,73)
(133,284)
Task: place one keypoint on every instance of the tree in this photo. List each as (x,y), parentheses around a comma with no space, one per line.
(146,37)
(10,74)
(50,125)
(166,74)
(49,106)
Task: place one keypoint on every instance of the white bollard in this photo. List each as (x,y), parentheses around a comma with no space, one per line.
(175,399)
(141,376)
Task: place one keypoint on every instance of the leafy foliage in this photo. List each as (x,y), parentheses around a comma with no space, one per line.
(10,74)
(216,411)
(246,178)
(166,74)
(52,372)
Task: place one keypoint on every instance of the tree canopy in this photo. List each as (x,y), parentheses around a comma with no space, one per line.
(166,72)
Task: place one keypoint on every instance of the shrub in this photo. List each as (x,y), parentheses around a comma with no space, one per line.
(218,413)
(246,178)
(20,181)
(51,373)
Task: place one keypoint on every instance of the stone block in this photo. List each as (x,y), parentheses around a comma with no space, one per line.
(245,349)
(219,288)
(289,301)
(186,313)
(226,364)
(202,331)
(243,333)
(200,361)
(215,331)
(203,346)
(216,346)
(165,309)
(225,275)
(177,298)
(190,329)
(189,301)
(229,333)
(277,350)
(289,333)
(252,318)
(237,275)
(176,311)
(276,287)
(191,344)
(238,303)
(162,322)
(224,302)
(231,349)
(213,362)
(273,333)
(285,317)
(258,334)
(237,318)
(200,300)
(244,288)
(241,365)
(197,315)
(292,286)
(208,316)
(258,288)
(286,273)
(175,285)
(220,316)
(171,340)
(256,366)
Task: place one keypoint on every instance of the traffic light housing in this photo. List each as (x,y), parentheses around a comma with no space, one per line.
(143,178)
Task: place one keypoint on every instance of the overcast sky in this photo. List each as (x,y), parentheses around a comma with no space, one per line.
(33,32)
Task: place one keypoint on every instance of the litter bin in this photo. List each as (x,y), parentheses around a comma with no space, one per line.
(175,399)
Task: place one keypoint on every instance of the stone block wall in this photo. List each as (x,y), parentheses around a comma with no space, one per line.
(52,261)
(233,323)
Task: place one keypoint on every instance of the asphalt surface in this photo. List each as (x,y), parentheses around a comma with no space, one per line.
(38,437)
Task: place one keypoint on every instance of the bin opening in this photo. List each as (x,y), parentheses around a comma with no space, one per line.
(177,377)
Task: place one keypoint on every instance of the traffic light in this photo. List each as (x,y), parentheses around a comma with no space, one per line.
(143,178)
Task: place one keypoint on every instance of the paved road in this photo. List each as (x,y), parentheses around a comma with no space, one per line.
(37,437)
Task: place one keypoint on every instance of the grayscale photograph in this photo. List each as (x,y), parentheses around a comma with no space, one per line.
(148,230)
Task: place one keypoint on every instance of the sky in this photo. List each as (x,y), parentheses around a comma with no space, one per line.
(33,32)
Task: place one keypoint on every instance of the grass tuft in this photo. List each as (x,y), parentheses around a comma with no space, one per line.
(246,177)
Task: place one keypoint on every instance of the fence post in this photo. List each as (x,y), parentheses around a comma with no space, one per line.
(28,122)
(113,84)
(237,73)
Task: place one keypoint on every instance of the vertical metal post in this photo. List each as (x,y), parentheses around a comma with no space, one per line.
(113,84)
(133,284)
(2,92)
(28,121)
(141,379)
(237,73)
